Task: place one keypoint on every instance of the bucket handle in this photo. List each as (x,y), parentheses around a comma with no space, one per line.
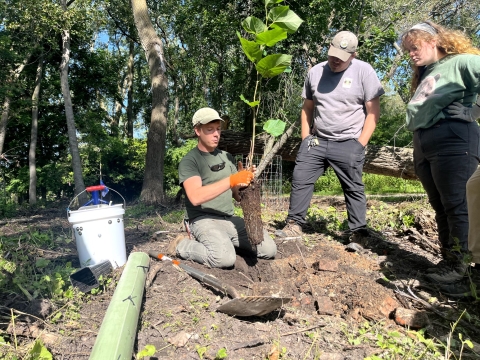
(92,188)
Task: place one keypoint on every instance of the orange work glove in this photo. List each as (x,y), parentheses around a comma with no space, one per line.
(241,177)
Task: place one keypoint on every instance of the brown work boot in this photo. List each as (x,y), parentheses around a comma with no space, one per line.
(291,231)
(172,247)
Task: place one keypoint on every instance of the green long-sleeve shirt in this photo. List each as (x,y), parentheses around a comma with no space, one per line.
(451,79)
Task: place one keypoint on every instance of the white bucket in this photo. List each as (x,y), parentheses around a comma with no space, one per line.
(99,234)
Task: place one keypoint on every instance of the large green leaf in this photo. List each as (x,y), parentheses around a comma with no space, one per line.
(283,17)
(274,127)
(273,65)
(250,48)
(254,25)
(271,37)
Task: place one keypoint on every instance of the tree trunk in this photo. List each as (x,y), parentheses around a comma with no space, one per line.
(152,190)
(72,131)
(32,188)
(6,103)
(129,79)
(382,160)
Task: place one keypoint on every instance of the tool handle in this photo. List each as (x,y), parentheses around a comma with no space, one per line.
(199,275)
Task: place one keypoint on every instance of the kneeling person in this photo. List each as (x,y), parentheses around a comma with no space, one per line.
(210,179)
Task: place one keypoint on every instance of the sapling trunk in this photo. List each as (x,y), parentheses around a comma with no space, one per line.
(252,214)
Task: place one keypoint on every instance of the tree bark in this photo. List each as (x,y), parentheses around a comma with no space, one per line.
(152,190)
(382,160)
(6,103)
(130,71)
(71,128)
(32,188)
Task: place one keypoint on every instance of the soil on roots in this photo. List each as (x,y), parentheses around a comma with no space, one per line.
(252,212)
(334,291)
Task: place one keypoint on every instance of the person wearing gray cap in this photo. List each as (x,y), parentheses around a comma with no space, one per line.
(340,111)
(210,180)
(442,115)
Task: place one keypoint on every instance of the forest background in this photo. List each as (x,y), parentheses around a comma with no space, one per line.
(90,88)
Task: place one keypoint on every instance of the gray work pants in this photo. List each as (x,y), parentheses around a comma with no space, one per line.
(216,238)
(445,156)
(346,158)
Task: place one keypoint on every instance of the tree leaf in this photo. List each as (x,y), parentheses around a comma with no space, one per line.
(251,49)
(273,65)
(254,25)
(250,103)
(274,127)
(284,18)
(271,37)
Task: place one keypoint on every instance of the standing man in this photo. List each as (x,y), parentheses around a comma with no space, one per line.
(210,179)
(339,114)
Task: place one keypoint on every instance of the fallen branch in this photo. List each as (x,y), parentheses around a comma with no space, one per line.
(435,310)
(152,273)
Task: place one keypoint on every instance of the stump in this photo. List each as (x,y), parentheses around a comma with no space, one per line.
(252,213)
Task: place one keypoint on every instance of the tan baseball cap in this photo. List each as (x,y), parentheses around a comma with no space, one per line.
(204,116)
(343,45)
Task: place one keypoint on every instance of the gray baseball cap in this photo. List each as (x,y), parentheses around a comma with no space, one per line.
(204,116)
(343,45)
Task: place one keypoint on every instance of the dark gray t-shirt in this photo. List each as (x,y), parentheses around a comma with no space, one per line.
(339,98)
(198,163)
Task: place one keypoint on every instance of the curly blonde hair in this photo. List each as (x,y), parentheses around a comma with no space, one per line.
(448,42)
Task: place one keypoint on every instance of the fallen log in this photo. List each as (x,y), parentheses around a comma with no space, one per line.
(382,160)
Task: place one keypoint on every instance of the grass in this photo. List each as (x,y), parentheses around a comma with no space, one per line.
(328,184)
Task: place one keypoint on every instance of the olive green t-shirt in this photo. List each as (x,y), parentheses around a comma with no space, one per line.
(198,163)
(453,78)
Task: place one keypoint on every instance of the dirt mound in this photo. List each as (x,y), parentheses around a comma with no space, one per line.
(340,287)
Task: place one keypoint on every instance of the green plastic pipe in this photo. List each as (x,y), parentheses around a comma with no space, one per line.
(118,331)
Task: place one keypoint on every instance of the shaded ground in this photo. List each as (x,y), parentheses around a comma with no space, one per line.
(343,296)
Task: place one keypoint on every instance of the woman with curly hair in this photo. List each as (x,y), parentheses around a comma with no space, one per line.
(442,113)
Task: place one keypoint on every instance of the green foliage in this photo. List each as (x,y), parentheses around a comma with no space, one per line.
(274,127)
(330,220)
(34,278)
(103,284)
(175,216)
(281,21)
(380,184)
(201,350)
(173,157)
(148,350)
(392,344)
(39,352)
(221,354)
(328,184)
(390,130)
(7,209)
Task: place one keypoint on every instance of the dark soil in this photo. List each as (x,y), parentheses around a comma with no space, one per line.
(334,292)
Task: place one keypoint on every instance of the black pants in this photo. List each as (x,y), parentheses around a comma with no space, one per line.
(346,158)
(445,156)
